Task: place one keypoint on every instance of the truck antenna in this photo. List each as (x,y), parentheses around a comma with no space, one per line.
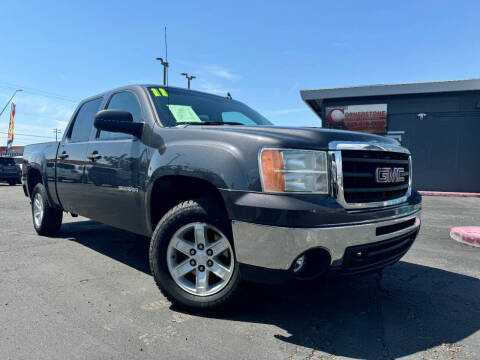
(166,51)
(166,60)
(164,63)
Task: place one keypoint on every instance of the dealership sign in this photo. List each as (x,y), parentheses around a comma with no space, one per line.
(367,118)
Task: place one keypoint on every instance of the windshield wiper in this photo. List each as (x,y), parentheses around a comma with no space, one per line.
(211,123)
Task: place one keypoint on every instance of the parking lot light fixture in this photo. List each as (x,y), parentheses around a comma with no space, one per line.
(189,78)
(165,66)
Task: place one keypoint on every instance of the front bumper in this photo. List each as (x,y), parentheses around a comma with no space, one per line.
(276,247)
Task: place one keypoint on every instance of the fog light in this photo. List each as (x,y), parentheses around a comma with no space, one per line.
(299,264)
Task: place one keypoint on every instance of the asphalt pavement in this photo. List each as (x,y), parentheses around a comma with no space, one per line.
(88,294)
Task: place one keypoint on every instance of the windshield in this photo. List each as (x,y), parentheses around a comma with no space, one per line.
(182,107)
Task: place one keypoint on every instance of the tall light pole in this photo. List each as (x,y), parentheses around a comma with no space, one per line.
(165,66)
(57,131)
(8,102)
(189,78)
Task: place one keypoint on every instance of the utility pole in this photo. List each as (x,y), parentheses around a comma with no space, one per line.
(189,78)
(57,131)
(8,102)
(165,66)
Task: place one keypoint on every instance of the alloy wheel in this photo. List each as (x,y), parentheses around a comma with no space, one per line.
(38,209)
(200,259)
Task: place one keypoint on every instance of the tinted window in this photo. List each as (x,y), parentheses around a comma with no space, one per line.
(125,101)
(83,123)
(7,161)
(235,116)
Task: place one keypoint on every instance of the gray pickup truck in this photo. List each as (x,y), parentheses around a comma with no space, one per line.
(224,194)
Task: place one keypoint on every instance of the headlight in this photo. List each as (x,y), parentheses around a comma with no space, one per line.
(294,171)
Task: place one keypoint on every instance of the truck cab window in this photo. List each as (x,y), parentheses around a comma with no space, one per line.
(125,101)
(83,123)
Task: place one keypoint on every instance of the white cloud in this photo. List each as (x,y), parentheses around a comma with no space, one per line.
(212,87)
(45,107)
(62,124)
(37,116)
(221,72)
(207,71)
(210,78)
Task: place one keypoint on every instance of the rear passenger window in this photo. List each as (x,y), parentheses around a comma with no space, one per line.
(125,101)
(83,123)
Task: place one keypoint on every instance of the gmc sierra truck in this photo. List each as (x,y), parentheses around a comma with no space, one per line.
(223,194)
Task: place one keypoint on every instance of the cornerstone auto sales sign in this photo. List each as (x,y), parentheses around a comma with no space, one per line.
(366,118)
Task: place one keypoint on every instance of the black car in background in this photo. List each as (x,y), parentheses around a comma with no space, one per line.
(10,171)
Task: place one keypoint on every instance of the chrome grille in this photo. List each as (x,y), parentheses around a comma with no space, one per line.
(359,175)
(354,181)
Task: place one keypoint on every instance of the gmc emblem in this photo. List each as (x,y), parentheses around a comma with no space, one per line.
(389,175)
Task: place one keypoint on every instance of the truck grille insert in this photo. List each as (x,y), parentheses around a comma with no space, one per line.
(374,256)
(359,175)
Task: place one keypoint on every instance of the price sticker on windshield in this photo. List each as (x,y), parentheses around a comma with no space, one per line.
(159,92)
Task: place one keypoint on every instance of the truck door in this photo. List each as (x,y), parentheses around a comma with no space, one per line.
(113,171)
(71,158)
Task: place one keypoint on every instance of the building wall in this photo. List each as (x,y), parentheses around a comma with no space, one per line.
(445,144)
(16,150)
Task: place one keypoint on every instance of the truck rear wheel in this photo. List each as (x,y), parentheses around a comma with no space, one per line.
(12,182)
(46,219)
(192,257)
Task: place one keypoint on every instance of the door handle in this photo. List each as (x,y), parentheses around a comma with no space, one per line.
(94,156)
(63,155)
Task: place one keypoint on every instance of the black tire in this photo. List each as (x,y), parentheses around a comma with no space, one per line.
(12,182)
(198,210)
(52,216)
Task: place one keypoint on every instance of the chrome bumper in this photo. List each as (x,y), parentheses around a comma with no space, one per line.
(277,247)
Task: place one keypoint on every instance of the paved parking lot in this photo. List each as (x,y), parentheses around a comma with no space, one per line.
(88,294)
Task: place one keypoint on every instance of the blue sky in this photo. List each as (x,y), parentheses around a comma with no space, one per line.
(263,52)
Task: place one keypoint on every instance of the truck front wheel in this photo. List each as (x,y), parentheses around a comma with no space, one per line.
(192,257)
(46,219)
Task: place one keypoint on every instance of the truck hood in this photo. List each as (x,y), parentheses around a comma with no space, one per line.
(299,137)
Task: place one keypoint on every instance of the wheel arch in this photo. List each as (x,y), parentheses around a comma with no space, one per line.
(34,177)
(170,190)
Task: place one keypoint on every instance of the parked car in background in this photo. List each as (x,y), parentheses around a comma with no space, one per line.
(19,162)
(9,170)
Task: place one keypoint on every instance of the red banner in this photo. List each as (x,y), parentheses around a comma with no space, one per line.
(366,118)
(10,129)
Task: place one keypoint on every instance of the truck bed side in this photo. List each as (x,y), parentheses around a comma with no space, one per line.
(40,165)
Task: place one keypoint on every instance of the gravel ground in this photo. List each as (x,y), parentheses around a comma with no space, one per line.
(88,294)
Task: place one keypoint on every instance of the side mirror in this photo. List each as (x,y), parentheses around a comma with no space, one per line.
(117,121)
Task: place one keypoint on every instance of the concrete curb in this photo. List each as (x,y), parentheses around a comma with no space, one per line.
(452,194)
(469,235)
